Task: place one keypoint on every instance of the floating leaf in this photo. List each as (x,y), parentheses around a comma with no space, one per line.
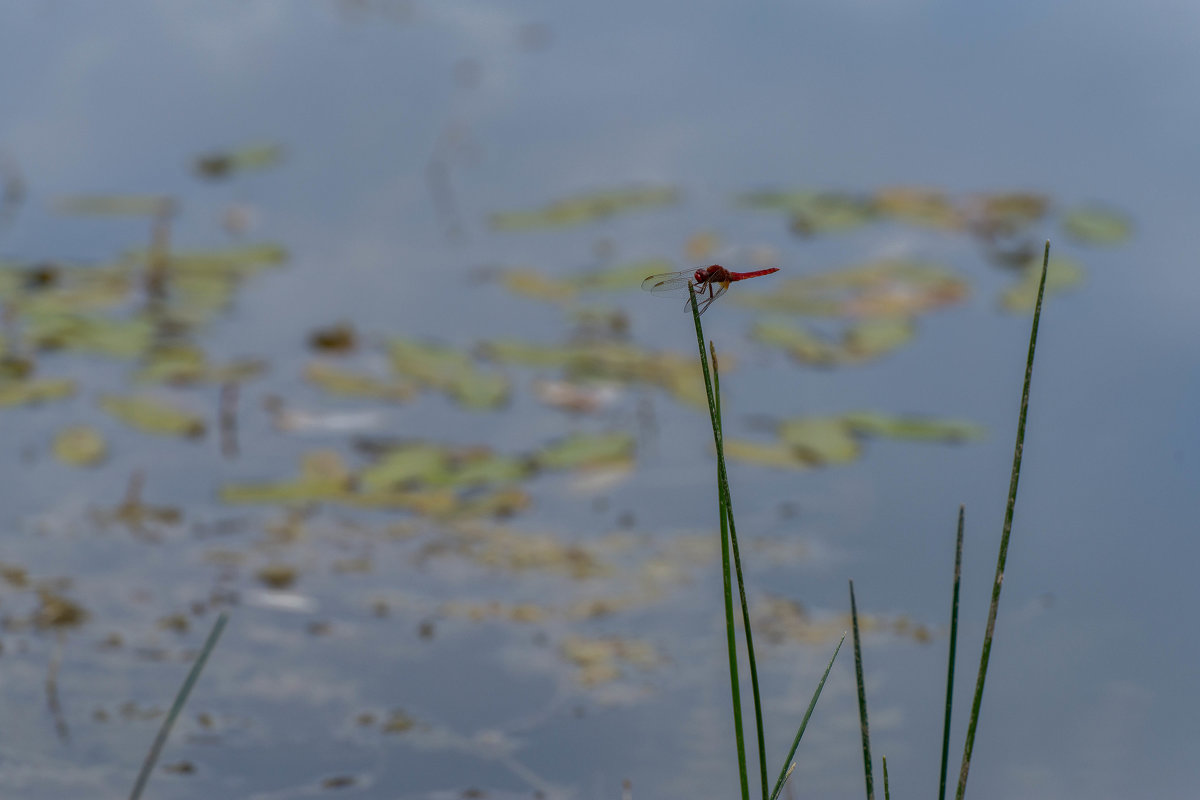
(599,659)
(238,261)
(535,285)
(614,361)
(32,392)
(819,440)
(80,446)
(125,205)
(774,454)
(153,416)
(120,338)
(502,548)
(869,423)
(348,383)
(930,208)
(621,276)
(223,163)
(1095,225)
(449,371)
(884,288)
(1061,273)
(586,450)
(183,364)
(872,338)
(1004,213)
(814,212)
(585,208)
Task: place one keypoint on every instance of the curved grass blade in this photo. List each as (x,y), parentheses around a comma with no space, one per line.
(1004,536)
(788,766)
(862,698)
(953,649)
(180,698)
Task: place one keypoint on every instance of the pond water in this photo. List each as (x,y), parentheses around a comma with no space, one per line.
(444,583)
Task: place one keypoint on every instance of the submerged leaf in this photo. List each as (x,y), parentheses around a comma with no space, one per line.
(153,416)
(1061,273)
(584,208)
(1095,225)
(80,446)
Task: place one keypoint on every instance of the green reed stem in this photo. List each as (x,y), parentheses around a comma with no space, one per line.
(726,572)
(862,698)
(1004,537)
(887,794)
(727,500)
(953,649)
(180,698)
(787,763)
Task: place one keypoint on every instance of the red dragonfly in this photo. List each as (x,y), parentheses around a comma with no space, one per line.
(709,282)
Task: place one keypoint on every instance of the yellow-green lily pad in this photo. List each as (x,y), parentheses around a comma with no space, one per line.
(151,415)
(348,383)
(585,208)
(32,391)
(80,446)
(1095,225)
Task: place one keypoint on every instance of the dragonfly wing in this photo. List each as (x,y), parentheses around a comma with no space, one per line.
(667,281)
(703,299)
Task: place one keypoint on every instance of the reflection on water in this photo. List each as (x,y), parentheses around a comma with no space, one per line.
(381,383)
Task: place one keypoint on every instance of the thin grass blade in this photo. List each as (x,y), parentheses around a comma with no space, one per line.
(1004,536)
(958,545)
(788,766)
(862,698)
(887,793)
(180,698)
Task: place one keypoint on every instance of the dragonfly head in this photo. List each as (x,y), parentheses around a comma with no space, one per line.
(701,276)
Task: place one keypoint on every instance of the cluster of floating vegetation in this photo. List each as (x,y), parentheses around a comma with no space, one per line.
(147,308)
